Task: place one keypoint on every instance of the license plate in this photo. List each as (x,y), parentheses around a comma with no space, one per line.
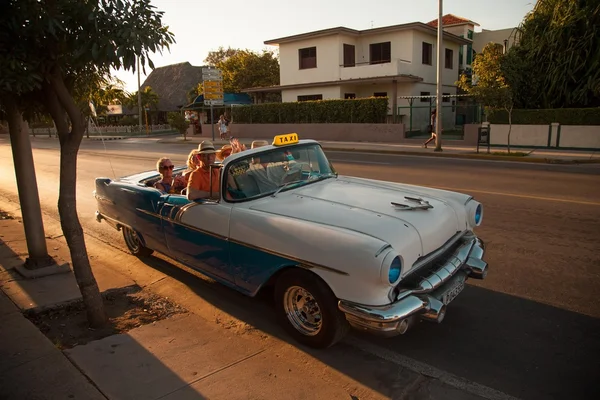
(453,292)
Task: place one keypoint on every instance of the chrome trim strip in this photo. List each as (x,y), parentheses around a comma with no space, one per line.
(385,246)
(193,228)
(435,254)
(149,213)
(385,314)
(454,264)
(111,221)
(103,199)
(301,262)
(183,209)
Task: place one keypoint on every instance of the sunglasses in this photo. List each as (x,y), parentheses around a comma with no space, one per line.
(168,167)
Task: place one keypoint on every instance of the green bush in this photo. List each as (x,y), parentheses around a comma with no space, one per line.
(371,110)
(564,116)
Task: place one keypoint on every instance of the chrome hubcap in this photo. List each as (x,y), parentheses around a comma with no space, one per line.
(132,239)
(302,311)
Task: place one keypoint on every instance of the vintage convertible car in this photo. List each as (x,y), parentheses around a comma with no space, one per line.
(337,251)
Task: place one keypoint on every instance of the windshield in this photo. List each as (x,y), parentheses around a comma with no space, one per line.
(276,170)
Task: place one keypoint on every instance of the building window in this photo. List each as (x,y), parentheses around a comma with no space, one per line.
(469,48)
(425,99)
(380,94)
(348,96)
(349,55)
(449,58)
(445,99)
(380,53)
(460,55)
(308,57)
(310,97)
(427,57)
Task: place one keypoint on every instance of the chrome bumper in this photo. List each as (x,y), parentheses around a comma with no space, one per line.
(425,301)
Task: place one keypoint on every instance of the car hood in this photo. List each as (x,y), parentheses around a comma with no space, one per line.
(364,205)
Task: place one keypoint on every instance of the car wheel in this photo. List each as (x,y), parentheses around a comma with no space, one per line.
(307,309)
(134,244)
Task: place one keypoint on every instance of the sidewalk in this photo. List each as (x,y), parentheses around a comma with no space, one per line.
(536,156)
(221,347)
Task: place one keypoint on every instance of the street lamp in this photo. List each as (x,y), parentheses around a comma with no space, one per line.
(438,121)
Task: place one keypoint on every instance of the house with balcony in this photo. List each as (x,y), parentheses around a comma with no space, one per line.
(397,62)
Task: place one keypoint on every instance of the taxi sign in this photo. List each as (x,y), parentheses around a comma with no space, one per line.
(288,138)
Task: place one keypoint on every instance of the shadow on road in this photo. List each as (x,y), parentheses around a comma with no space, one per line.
(514,345)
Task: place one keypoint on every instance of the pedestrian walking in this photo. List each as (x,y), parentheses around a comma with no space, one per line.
(433,128)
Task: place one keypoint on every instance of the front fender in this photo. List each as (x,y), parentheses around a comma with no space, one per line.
(349,262)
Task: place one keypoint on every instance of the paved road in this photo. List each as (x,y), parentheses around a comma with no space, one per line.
(531,329)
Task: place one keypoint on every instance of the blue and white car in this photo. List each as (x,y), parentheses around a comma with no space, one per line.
(337,251)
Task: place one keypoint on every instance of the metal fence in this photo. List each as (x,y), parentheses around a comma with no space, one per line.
(118,130)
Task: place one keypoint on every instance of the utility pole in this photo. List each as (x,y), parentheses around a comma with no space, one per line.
(438,107)
(139,95)
(28,190)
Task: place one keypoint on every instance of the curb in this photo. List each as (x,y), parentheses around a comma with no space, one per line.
(482,156)
(538,160)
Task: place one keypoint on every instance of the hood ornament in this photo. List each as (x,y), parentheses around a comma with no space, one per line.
(420,204)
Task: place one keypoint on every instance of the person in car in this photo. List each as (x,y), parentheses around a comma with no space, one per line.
(199,184)
(167,183)
(192,164)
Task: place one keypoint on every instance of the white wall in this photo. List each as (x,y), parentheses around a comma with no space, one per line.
(406,53)
(328,92)
(580,136)
(480,39)
(429,72)
(520,135)
(571,136)
(328,61)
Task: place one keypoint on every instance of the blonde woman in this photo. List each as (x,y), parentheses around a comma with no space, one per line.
(192,164)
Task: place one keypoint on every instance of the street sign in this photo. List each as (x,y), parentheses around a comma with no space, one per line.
(212,80)
(211,74)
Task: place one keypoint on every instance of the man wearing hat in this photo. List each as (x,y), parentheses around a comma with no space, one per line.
(199,184)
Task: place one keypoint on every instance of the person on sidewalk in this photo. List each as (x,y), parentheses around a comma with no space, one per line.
(222,124)
(433,130)
(167,183)
(199,185)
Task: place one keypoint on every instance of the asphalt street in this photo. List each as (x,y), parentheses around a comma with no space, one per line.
(531,329)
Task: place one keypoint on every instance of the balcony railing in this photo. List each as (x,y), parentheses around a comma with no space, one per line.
(368,70)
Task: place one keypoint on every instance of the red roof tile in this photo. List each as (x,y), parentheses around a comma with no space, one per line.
(450,19)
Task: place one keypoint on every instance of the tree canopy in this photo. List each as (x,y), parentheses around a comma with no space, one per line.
(52,52)
(244,69)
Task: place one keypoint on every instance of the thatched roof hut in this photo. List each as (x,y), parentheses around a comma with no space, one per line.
(172,83)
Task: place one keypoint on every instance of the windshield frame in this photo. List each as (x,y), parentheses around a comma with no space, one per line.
(270,150)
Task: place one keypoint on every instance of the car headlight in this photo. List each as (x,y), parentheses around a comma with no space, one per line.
(474,212)
(395,270)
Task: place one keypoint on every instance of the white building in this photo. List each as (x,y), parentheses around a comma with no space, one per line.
(394,61)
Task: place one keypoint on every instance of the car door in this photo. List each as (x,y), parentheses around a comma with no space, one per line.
(196,233)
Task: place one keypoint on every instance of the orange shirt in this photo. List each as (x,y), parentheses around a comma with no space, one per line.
(200,180)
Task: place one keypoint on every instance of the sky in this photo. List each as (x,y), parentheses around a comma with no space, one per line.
(201,26)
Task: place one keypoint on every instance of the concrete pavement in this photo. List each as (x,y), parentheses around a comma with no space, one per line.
(205,353)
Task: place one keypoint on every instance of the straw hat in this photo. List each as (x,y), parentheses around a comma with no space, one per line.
(224,151)
(206,147)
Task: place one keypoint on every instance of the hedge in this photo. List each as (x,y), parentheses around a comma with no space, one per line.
(564,116)
(371,110)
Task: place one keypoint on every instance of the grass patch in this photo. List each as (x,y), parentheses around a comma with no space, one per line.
(511,154)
